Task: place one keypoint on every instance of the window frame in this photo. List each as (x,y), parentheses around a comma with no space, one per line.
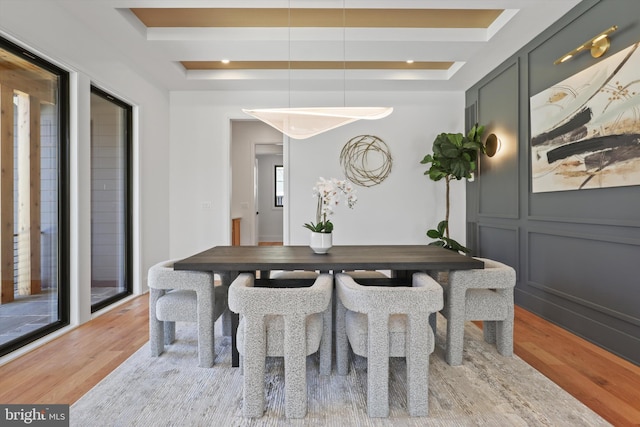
(64,205)
(128,200)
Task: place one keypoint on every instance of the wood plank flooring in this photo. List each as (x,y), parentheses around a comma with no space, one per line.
(66,368)
(607,384)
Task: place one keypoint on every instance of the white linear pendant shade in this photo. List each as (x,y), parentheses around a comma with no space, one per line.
(303,123)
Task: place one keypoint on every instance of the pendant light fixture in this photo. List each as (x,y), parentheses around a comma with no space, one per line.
(303,123)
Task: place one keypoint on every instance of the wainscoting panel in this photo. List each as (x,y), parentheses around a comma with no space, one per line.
(578,207)
(589,271)
(498,176)
(501,243)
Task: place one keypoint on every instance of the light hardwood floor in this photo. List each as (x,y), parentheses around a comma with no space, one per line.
(269,243)
(66,368)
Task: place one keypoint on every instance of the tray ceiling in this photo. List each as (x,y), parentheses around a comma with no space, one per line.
(319,44)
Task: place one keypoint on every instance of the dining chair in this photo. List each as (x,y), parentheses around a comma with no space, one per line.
(184,296)
(283,322)
(479,294)
(379,322)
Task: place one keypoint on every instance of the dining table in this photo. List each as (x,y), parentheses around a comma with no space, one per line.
(401,260)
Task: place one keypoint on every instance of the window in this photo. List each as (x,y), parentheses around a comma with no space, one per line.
(279,185)
(34,246)
(111,242)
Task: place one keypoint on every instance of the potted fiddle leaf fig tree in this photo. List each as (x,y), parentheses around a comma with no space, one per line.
(455,156)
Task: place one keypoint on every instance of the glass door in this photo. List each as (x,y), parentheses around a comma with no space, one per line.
(34,298)
(110,199)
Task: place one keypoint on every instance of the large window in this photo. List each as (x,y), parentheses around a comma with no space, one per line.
(110,199)
(34,274)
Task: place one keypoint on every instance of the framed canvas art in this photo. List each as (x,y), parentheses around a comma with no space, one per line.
(585,130)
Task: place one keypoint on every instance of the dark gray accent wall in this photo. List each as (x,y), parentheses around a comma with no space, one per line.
(577,253)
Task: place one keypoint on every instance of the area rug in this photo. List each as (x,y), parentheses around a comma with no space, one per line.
(171,390)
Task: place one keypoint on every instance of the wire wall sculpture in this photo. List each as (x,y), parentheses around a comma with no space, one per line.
(366,160)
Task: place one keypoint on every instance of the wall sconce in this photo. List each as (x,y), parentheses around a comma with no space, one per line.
(492,145)
(598,46)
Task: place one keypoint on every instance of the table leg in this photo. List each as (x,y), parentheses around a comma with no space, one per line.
(265,274)
(235,356)
(227,277)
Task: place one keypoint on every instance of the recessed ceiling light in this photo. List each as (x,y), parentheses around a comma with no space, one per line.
(225,61)
(409,61)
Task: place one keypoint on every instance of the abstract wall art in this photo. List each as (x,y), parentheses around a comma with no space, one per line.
(366,160)
(585,130)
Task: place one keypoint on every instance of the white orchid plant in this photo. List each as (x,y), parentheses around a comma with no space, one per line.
(329,192)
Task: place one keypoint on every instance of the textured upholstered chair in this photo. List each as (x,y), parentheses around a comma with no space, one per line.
(286,322)
(184,296)
(479,294)
(381,322)
(325,362)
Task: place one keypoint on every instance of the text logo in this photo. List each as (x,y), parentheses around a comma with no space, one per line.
(34,415)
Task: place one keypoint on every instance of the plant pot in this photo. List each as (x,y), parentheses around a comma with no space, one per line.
(321,242)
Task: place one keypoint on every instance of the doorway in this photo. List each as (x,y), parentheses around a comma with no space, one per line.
(111,242)
(254,143)
(269,193)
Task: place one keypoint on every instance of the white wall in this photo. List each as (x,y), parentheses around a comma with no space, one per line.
(47,29)
(399,210)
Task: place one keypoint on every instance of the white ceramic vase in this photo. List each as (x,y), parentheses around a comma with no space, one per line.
(321,242)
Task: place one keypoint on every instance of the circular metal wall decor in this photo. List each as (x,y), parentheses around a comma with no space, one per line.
(366,160)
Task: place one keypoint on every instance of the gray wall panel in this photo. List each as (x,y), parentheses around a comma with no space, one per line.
(495,104)
(588,271)
(499,243)
(578,255)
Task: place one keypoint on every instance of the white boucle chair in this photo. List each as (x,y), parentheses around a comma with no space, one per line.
(284,322)
(479,294)
(381,322)
(184,296)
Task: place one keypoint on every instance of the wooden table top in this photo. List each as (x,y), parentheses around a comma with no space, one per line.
(366,257)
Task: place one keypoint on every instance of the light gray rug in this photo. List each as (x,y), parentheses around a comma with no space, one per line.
(487,390)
